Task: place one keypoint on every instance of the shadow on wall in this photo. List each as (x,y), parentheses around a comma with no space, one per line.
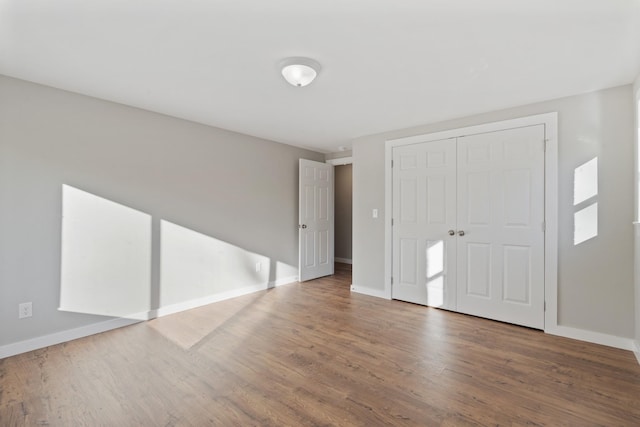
(107,266)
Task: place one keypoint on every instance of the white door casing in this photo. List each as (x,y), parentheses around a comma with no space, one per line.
(468,217)
(315,220)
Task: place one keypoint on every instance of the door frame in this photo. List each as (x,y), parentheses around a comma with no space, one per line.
(550,122)
(340,161)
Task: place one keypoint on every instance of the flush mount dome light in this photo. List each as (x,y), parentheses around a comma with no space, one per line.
(299,71)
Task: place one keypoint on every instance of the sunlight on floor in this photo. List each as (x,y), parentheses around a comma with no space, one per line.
(188,328)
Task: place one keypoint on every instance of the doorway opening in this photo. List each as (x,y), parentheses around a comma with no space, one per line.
(343,208)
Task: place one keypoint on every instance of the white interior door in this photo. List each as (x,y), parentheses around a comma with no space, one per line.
(468,224)
(501,225)
(316,220)
(424,210)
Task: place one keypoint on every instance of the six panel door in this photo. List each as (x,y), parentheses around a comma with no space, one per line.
(501,216)
(315,216)
(468,231)
(424,200)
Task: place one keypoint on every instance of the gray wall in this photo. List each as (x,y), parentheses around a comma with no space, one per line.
(343,211)
(595,278)
(231,187)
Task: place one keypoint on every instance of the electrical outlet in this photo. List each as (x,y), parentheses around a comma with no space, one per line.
(258,267)
(25,310)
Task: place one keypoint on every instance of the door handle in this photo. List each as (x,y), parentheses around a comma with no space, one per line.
(452,233)
(303,226)
(461,233)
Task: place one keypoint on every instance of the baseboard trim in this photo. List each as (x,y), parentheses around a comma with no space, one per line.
(210,299)
(343,260)
(637,350)
(368,291)
(63,336)
(593,337)
(96,328)
(283,281)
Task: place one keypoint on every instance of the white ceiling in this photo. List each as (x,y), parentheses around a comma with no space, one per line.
(386,64)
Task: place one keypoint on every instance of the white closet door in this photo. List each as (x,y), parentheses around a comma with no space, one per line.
(501,216)
(424,210)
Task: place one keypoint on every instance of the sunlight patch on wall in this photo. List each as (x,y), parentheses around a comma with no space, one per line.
(106,257)
(585,224)
(585,192)
(194,265)
(106,262)
(435,273)
(286,273)
(585,181)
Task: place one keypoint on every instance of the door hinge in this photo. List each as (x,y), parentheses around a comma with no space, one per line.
(392,222)
(392,280)
(391,164)
(545,306)
(544,226)
(544,145)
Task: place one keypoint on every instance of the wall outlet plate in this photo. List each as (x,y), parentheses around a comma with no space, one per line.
(25,310)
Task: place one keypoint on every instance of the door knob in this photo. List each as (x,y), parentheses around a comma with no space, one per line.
(452,233)
(461,233)
(304,225)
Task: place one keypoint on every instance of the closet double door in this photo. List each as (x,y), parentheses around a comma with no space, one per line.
(468,224)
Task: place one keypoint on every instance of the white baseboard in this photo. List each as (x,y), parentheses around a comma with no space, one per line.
(368,291)
(343,260)
(637,350)
(210,299)
(96,328)
(592,337)
(63,336)
(283,281)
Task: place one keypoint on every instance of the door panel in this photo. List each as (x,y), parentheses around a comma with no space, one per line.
(517,274)
(478,266)
(501,210)
(316,226)
(477,198)
(323,256)
(409,200)
(436,192)
(517,198)
(310,250)
(323,201)
(423,211)
(409,261)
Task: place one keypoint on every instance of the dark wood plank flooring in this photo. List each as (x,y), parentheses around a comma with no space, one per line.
(314,354)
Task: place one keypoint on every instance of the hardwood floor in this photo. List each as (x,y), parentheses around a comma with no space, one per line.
(314,354)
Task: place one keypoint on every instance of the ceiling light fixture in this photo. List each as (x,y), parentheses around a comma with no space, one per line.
(299,71)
